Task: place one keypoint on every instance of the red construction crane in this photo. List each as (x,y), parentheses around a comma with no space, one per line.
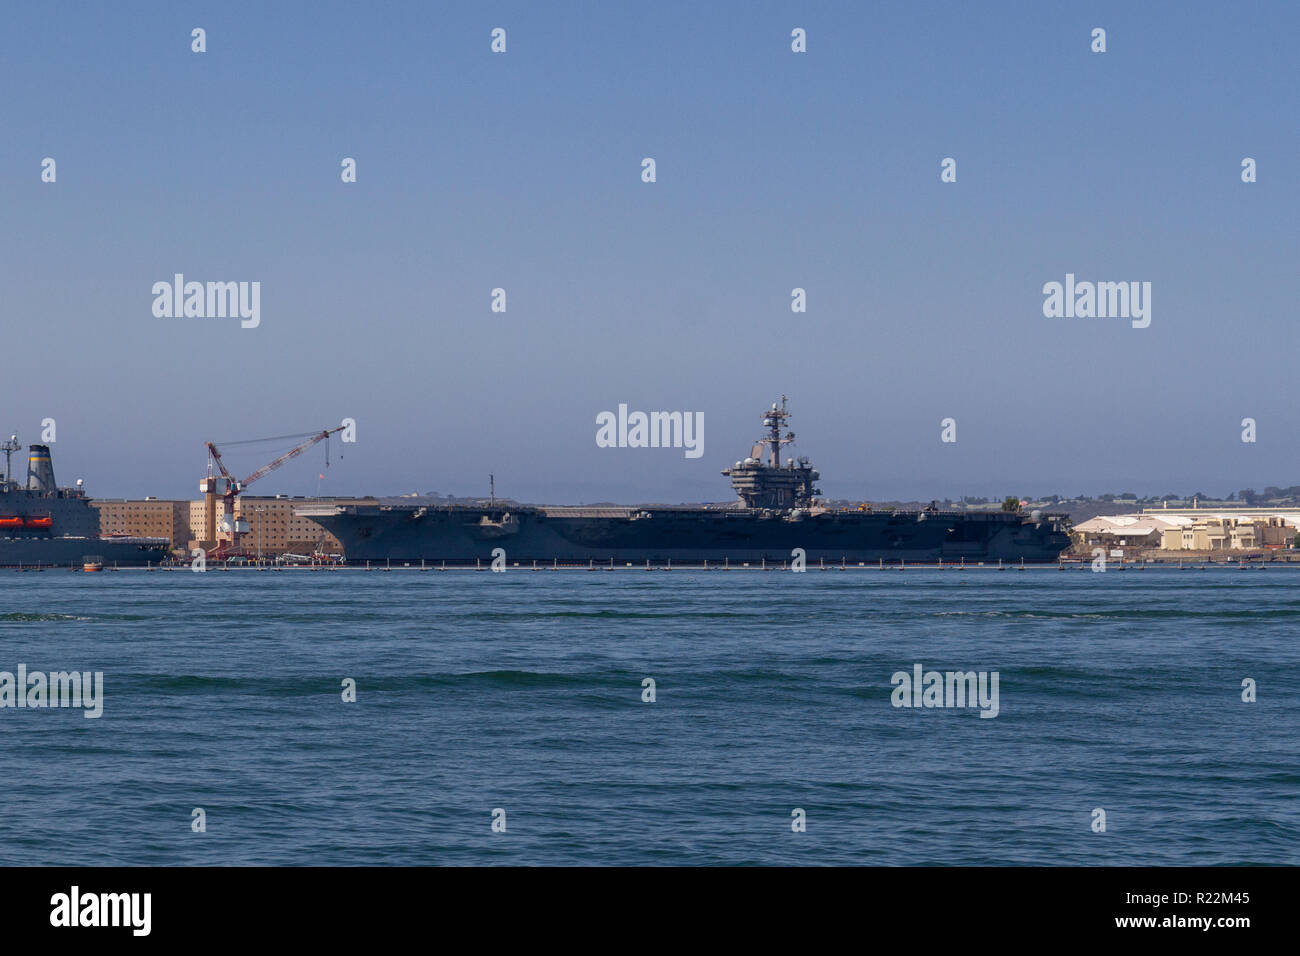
(228,487)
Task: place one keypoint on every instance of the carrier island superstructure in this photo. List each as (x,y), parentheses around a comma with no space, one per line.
(777,512)
(43,525)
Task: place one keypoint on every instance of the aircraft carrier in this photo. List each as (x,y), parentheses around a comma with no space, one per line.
(45,526)
(775,520)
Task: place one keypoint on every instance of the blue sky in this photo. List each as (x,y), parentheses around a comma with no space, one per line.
(775,170)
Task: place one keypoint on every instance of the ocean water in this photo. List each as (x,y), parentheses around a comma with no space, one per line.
(523,691)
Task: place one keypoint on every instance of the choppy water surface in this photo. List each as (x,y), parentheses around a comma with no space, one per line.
(523,691)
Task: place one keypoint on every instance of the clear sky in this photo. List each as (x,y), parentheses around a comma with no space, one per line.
(775,170)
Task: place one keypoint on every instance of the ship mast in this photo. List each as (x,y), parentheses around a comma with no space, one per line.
(773,421)
(9,447)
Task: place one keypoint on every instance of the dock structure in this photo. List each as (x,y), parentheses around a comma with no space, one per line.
(638,567)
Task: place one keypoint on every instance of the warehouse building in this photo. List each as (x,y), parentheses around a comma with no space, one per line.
(1190,529)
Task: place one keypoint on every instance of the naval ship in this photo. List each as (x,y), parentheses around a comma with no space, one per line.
(777,512)
(43,525)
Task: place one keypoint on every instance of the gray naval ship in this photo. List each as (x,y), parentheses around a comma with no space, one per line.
(777,513)
(43,525)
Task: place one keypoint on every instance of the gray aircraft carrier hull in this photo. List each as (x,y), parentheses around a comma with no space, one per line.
(468,535)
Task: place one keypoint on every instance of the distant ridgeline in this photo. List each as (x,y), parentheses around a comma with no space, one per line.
(1079,508)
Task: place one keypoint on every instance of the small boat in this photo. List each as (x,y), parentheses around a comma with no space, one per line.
(45,521)
(92,562)
(11,522)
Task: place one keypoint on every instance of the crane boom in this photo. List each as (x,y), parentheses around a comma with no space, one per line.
(212,487)
(287,456)
(216,456)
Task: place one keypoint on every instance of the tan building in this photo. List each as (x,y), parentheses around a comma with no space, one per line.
(1273,531)
(1243,537)
(1130,532)
(150,518)
(272,525)
(273,528)
(196,521)
(1209,534)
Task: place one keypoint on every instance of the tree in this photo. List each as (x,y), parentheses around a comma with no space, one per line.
(1011,504)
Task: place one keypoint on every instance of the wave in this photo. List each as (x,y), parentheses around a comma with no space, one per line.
(303,684)
(1129,613)
(22,617)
